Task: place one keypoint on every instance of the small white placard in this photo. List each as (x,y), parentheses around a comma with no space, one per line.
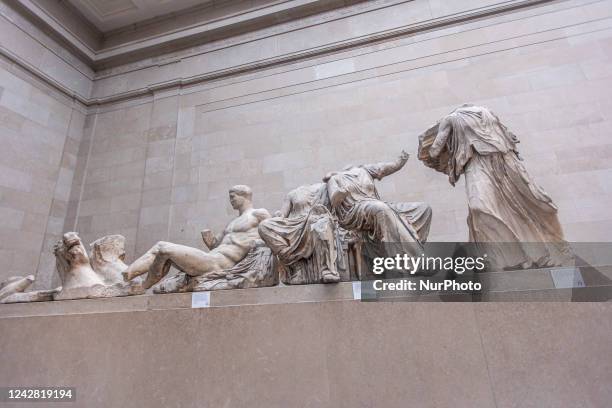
(357,290)
(565,278)
(200,299)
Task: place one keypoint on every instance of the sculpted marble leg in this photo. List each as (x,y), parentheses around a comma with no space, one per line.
(326,250)
(158,260)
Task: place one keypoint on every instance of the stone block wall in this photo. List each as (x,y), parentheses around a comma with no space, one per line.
(40,133)
(126,175)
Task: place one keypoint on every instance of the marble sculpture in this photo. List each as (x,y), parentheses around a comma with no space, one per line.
(355,201)
(236,258)
(13,291)
(79,278)
(304,236)
(505,203)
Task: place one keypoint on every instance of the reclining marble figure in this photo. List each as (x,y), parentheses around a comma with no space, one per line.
(79,278)
(15,284)
(236,259)
(505,203)
(359,208)
(13,291)
(304,236)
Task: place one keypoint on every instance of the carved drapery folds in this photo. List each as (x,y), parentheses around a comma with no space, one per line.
(505,203)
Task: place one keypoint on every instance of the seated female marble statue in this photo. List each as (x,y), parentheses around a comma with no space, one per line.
(358,206)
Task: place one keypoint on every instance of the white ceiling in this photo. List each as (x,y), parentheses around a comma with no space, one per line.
(111,14)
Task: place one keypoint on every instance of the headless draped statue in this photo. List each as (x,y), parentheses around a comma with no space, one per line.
(303,236)
(505,204)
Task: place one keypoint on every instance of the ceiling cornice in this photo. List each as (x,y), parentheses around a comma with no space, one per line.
(97,56)
(355,42)
(49,22)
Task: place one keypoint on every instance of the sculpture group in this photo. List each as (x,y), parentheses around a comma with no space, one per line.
(316,235)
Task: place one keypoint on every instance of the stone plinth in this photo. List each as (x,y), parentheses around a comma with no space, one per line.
(311,346)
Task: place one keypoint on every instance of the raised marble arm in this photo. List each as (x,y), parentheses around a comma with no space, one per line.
(384,169)
(443,133)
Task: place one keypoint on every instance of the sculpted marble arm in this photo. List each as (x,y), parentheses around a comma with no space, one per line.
(210,239)
(385,169)
(261,214)
(335,192)
(443,134)
(285,208)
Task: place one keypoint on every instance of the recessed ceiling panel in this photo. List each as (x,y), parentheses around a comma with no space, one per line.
(107,8)
(108,15)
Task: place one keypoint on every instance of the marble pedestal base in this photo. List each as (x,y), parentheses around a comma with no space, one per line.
(310,346)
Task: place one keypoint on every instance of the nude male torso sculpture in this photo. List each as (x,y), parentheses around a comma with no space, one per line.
(238,238)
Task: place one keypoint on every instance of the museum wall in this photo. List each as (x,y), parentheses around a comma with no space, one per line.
(31,48)
(275,44)
(160,166)
(41,131)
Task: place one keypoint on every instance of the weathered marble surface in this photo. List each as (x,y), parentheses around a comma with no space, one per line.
(32,296)
(79,279)
(359,207)
(13,291)
(304,236)
(15,284)
(221,267)
(82,276)
(257,269)
(505,203)
(107,256)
